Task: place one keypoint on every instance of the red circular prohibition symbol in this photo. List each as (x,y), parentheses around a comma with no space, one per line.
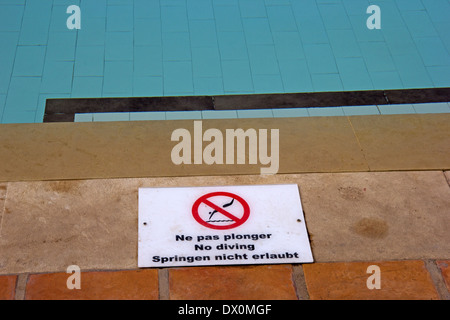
(237,221)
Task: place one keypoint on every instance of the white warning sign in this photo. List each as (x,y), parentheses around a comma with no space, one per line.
(262,224)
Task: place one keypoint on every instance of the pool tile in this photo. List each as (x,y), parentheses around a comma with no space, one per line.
(255,113)
(409,5)
(94,9)
(281,18)
(144,116)
(36,22)
(57,77)
(267,83)
(178,77)
(147,32)
(61,46)
(111,116)
(237,76)
(360,110)
(232,45)
(354,74)
(288,45)
(326,112)
(377,56)
(320,58)
(295,76)
(119,18)
(327,82)
(437,10)
(206,62)
(92,32)
(290,112)
(174,19)
(202,33)
(416,77)
(432,51)
(334,16)
(11,17)
(355,7)
(29,61)
(17,100)
(228,18)
(87,87)
(184,115)
(419,23)
(343,43)
(252,8)
(385,80)
(13,116)
(200,9)
(119,46)
(257,31)
(84,117)
(148,61)
(2,105)
(34,32)
(439,75)
(144,9)
(397,109)
(440,107)
(147,86)
(208,86)
(89,61)
(176,46)
(219,114)
(263,60)
(390,15)
(58,19)
(118,78)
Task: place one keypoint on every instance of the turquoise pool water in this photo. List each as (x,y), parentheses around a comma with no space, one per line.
(129,48)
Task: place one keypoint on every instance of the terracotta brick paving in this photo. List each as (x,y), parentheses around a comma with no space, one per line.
(7,287)
(116,285)
(348,281)
(444,265)
(408,279)
(272,282)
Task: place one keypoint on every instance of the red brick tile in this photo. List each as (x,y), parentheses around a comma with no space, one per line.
(400,280)
(444,265)
(104,285)
(7,287)
(234,283)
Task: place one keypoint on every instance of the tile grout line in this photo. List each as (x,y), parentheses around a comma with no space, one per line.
(298,279)
(163,284)
(21,285)
(437,279)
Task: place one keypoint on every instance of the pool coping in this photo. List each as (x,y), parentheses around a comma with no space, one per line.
(64,109)
(128,149)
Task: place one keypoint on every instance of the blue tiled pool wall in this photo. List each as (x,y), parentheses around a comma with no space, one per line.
(129,48)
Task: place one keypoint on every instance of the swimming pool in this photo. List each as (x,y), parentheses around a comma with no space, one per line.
(145,48)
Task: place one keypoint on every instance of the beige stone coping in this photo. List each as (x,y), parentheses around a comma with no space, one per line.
(48,225)
(60,151)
